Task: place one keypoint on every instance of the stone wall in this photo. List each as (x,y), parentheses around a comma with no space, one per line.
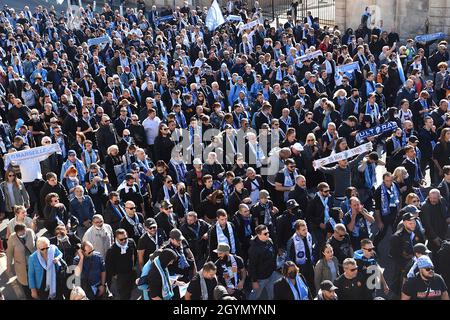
(408,17)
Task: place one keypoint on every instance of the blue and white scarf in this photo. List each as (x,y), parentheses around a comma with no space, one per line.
(221,238)
(392,201)
(300,251)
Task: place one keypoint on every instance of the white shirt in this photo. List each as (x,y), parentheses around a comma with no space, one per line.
(101,239)
(151,129)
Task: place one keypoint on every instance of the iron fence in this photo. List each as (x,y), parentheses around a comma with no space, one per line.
(279,9)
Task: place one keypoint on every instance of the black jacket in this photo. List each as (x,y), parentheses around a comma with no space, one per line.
(178,207)
(213,241)
(165,224)
(282,290)
(285,228)
(111,217)
(262,259)
(301,196)
(401,248)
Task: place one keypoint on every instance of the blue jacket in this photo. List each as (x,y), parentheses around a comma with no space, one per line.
(84,210)
(35,270)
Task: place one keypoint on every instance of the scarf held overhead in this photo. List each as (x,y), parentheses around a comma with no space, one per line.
(343,155)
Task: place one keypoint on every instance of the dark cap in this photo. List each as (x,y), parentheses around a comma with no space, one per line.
(129,176)
(134,166)
(413,139)
(421,248)
(71,153)
(150,222)
(379,85)
(283,91)
(166,204)
(408,216)
(410,209)
(327,285)
(176,234)
(373,156)
(228,126)
(291,204)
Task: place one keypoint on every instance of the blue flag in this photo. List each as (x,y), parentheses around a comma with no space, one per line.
(430,37)
(375,131)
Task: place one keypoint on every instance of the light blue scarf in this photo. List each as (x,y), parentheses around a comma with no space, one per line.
(301,293)
(393,200)
(167,291)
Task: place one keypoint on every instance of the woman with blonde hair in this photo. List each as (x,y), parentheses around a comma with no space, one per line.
(311,151)
(114,166)
(340,99)
(399,176)
(15,193)
(20,217)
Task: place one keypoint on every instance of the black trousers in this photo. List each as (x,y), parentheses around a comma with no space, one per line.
(388,220)
(308,272)
(125,285)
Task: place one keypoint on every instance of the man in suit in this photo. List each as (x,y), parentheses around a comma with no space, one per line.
(411,164)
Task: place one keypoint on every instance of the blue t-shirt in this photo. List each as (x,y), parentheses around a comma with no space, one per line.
(93,266)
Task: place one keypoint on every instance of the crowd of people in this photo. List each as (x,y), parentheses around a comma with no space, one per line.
(281,201)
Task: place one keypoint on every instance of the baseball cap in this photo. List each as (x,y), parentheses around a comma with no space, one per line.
(197,162)
(264,194)
(134,166)
(413,139)
(166,204)
(283,91)
(222,248)
(291,204)
(71,153)
(150,222)
(297,146)
(410,209)
(327,285)
(424,262)
(379,85)
(408,216)
(421,248)
(228,126)
(176,234)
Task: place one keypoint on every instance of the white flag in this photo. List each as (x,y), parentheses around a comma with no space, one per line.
(214,18)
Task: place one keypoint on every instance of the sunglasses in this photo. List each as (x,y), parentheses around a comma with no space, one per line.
(265,233)
(325,191)
(369,249)
(353,270)
(429,269)
(122,240)
(11,175)
(151,228)
(45,249)
(130,208)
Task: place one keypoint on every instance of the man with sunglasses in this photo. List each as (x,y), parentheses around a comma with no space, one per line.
(262,263)
(149,242)
(100,235)
(366,260)
(340,241)
(426,285)
(120,263)
(90,266)
(132,222)
(351,284)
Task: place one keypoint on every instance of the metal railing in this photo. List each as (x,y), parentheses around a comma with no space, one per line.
(279,9)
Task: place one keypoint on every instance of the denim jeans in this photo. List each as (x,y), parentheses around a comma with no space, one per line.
(265,284)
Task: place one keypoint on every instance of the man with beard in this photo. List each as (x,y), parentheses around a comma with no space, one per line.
(231,271)
(426,285)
